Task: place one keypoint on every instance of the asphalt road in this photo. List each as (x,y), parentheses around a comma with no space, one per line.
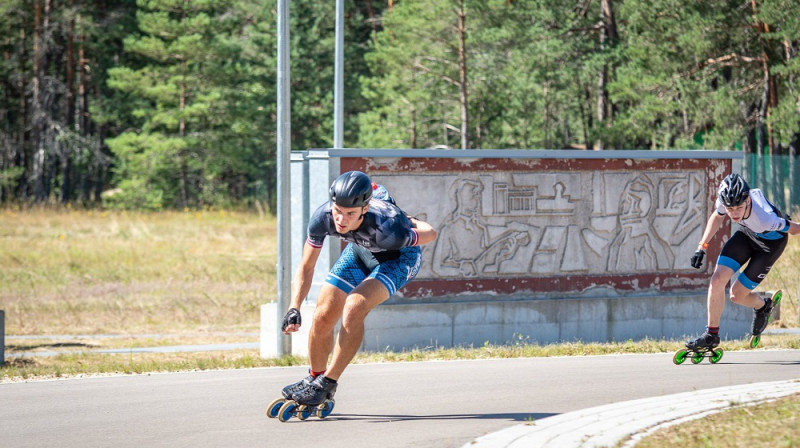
(439,403)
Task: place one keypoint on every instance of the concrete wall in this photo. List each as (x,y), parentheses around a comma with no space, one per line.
(550,245)
(497,321)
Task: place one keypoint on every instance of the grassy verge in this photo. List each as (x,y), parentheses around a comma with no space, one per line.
(92,272)
(773,424)
(76,360)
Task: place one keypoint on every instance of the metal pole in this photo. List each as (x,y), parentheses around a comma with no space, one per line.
(284,182)
(338,79)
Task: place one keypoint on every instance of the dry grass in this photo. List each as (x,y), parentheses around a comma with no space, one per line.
(768,425)
(76,272)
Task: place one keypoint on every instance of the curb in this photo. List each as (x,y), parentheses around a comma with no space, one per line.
(609,425)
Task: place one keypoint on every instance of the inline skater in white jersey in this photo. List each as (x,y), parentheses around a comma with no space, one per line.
(760,240)
(383,254)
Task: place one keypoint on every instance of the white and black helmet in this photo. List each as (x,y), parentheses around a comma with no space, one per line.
(351,189)
(733,191)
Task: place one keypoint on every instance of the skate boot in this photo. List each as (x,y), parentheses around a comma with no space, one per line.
(706,341)
(316,393)
(761,318)
(289,390)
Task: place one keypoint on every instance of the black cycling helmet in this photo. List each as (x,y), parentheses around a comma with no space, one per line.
(351,189)
(733,191)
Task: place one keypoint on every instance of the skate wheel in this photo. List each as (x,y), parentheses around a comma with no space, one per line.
(304,412)
(754,340)
(715,356)
(697,358)
(680,356)
(324,409)
(287,410)
(776,298)
(275,407)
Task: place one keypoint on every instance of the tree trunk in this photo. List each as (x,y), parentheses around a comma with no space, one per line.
(608,38)
(182,134)
(794,176)
(23,154)
(462,74)
(69,112)
(39,110)
(371,15)
(761,135)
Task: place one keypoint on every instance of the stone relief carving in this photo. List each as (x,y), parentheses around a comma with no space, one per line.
(534,224)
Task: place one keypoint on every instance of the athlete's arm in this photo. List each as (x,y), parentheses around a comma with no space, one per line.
(302,280)
(712,226)
(794,227)
(425,231)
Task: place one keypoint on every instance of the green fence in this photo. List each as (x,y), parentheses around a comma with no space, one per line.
(778,177)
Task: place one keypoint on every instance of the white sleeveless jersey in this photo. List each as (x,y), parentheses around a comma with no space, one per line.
(765,220)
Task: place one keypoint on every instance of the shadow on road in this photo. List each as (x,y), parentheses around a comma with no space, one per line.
(520,417)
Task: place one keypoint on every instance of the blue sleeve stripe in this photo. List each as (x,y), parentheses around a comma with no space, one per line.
(729,262)
(746,282)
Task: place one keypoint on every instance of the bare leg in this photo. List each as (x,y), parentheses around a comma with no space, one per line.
(359,303)
(330,304)
(716,294)
(746,297)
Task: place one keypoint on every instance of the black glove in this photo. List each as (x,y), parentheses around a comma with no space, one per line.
(697,258)
(292,317)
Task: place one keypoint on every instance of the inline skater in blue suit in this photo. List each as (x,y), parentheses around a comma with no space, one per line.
(758,243)
(383,254)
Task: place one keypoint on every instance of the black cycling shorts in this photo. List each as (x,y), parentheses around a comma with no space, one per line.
(761,253)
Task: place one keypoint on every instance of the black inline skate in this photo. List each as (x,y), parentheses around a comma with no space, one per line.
(762,318)
(316,398)
(702,347)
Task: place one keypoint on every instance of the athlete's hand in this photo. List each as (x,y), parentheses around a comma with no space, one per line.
(291,321)
(697,258)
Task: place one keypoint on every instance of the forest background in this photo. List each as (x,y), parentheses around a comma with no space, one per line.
(158,104)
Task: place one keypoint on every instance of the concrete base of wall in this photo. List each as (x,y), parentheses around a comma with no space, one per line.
(447,324)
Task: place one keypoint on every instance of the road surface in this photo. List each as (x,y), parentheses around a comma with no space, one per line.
(436,403)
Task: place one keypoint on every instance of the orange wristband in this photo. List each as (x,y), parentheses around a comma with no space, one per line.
(704,245)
